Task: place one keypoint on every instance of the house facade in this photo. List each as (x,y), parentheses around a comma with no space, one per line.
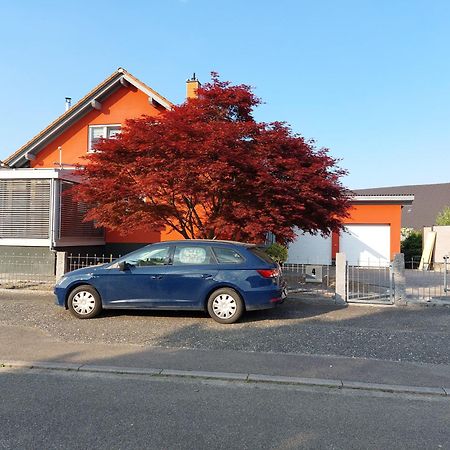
(36,210)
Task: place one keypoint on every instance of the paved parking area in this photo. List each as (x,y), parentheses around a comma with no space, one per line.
(299,326)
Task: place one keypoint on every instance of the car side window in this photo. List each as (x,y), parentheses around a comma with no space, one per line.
(149,257)
(189,254)
(227,255)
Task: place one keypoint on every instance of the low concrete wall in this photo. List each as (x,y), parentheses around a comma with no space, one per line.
(27,261)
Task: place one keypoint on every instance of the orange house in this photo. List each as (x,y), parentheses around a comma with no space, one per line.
(51,155)
(34,213)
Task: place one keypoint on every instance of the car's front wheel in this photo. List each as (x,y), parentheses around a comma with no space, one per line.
(84,302)
(225,305)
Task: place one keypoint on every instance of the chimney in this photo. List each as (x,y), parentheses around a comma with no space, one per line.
(68,103)
(192,85)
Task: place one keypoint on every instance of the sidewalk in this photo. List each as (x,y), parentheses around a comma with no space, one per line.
(25,344)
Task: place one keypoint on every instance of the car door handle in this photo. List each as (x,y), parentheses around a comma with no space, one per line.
(156,277)
(207,276)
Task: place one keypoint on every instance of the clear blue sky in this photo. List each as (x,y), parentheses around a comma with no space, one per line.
(369,79)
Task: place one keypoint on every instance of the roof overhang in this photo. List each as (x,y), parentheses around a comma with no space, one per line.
(91,101)
(392,199)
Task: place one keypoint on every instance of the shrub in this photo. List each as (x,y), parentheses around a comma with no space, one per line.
(277,252)
(443,218)
(411,246)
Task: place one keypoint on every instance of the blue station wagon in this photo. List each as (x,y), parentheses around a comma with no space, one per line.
(222,277)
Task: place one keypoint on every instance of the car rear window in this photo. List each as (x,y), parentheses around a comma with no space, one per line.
(261,254)
(227,255)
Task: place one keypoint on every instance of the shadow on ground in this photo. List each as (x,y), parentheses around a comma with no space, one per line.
(300,326)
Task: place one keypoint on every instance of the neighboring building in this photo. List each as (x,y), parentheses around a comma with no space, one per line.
(429,200)
(34,210)
(371,238)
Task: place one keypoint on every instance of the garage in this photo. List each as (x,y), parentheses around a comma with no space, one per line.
(372,235)
(310,249)
(366,245)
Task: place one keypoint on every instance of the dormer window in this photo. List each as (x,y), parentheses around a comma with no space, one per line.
(97,132)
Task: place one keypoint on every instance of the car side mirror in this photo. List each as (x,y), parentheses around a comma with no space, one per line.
(123,266)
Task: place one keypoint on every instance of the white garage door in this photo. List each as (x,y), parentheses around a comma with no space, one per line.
(366,245)
(310,249)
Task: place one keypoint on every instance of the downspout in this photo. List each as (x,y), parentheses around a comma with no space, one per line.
(53,208)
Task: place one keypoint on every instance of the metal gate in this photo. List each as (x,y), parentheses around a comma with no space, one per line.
(319,280)
(369,284)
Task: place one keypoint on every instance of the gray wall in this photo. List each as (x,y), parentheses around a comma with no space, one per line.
(27,260)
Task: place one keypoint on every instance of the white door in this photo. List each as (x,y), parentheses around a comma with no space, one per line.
(366,245)
(309,249)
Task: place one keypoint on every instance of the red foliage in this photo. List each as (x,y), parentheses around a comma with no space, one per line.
(207,169)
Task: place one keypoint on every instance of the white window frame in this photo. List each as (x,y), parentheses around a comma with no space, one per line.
(105,132)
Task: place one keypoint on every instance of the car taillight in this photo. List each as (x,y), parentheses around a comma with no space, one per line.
(269,273)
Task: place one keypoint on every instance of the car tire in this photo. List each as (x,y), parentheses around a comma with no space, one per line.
(84,302)
(225,305)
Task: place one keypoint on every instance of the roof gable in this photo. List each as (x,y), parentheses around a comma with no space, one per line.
(90,101)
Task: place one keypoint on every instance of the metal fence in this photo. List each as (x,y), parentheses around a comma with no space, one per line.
(79,261)
(27,270)
(369,284)
(363,284)
(428,285)
(310,278)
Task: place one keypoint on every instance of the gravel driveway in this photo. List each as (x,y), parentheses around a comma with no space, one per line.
(301,326)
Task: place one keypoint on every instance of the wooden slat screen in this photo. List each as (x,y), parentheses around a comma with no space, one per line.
(72,215)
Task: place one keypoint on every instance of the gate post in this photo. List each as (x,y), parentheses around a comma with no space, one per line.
(60,264)
(398,273)
(340,296)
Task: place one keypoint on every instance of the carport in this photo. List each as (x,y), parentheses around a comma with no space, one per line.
(38,210)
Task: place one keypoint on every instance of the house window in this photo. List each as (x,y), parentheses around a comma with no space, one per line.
(97,132)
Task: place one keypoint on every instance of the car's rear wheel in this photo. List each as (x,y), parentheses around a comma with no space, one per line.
(225,305)
(84,302)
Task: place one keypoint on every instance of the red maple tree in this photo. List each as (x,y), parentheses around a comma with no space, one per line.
(207,169)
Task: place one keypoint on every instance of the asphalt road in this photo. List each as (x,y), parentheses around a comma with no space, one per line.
(60,410)
(298,327)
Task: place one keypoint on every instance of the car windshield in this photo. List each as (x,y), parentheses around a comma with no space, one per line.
(147,256)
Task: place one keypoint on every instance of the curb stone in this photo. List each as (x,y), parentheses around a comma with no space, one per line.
(393,388)
(296,380)
(55,365)
(206,375)
(16,364)
(249,378)
(118,370)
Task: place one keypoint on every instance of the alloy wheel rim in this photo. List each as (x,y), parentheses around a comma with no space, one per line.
(224,306)
(83,302)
